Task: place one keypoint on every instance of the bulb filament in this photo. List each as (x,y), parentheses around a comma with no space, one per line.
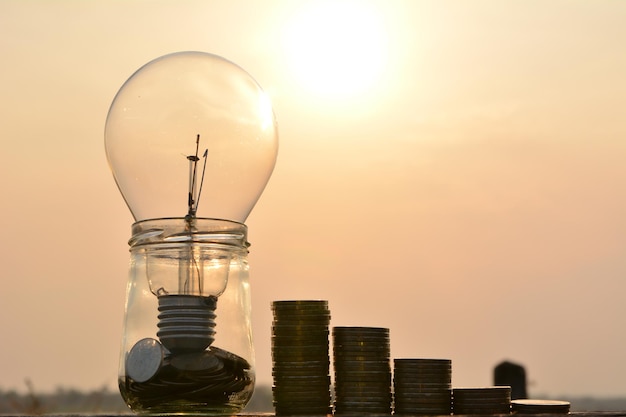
(195,191)
(191,277)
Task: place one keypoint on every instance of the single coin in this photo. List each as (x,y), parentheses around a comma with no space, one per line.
(359,330)
(483,411)
(205,361)
(422,362)
(500,390)
(144,359)
(298,302)
(532,406)
(374,361)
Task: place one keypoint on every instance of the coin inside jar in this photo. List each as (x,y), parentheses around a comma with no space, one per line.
(144,359)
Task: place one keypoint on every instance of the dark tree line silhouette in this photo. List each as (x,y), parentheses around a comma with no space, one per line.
(105,401)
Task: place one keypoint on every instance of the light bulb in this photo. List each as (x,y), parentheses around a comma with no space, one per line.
(192,141)
(190,135)
(198,112)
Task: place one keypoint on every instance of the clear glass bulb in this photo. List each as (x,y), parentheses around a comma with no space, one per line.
(191,134)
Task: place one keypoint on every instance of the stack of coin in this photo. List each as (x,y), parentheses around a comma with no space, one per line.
(422,386)
(540,407)
(300,357)
(362,370)
(485,400)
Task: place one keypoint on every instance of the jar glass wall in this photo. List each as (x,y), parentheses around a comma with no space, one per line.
(187,339)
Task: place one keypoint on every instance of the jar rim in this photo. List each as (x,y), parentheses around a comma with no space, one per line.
(181,230)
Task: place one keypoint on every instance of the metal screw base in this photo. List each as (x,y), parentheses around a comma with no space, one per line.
(186,322)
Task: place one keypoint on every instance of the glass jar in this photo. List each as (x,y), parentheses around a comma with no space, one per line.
(187,338)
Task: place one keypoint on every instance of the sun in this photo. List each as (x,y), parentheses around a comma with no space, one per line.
(336,49)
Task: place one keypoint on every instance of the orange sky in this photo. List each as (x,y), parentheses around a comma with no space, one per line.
(469,194)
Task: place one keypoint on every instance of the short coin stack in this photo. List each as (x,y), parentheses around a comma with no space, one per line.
(361,359)
(300,357)
(422,386)
(485,400)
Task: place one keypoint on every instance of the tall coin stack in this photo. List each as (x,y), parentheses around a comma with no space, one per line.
(422,386)
(361,361)
(485,400)
(300,357)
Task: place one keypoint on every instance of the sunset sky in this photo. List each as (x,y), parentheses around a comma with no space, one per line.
(451,170)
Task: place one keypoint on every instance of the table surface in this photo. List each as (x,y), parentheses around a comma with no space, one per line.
(571,414)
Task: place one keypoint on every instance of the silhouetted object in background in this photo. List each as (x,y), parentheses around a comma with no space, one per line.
(514,375)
